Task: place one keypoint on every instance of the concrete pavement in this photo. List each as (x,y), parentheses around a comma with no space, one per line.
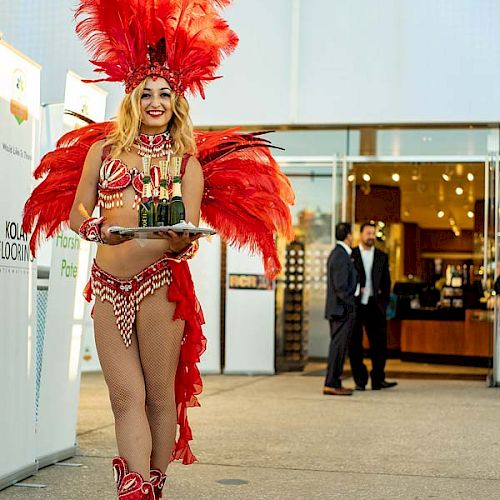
(280,438)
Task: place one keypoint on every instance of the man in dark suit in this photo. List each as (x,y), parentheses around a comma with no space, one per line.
(372,266)
(340,308)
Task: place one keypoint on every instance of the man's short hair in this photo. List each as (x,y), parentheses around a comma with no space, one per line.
(367,224)
(342,231)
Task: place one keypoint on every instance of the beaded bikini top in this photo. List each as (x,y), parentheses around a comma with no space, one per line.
(115,177)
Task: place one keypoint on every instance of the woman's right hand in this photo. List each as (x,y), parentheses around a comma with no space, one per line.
(112,238)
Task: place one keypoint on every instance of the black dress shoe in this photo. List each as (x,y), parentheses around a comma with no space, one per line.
(359,388)
(383,385)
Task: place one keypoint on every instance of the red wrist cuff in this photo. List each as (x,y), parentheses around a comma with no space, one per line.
(90,229)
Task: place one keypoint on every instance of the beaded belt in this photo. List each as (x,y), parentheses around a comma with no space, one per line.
(126,294)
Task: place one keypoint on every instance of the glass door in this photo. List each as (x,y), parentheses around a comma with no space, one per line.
(343,192)
(491,257)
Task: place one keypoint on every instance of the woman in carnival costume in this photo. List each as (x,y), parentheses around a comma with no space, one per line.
(160,50)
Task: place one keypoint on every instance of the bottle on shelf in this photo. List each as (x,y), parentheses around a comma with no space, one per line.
(456,276)
(163,205)
(147,206)
(465,275)
(448,275)
(177,211)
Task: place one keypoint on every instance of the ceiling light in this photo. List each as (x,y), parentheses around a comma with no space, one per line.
(459,190)
(440,214)
(446,176)
(351,177)
(415,175)
(470,214)
(395,177)
(366,177)
(470,176)
(452,221)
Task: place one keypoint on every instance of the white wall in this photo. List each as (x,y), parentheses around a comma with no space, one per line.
(399,61)
(254,87)
(45,31)
(355,61)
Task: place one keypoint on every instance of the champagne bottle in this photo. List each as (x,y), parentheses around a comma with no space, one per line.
(147,207)
(177,212)
(162,210)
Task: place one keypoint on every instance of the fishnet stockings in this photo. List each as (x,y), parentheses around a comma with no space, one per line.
(141,378)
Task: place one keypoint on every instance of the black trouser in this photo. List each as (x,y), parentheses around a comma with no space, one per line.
(373,319)
(340,334)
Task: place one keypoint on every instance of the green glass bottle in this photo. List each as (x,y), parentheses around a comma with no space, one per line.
(162,209)
(147,206)
(177,211)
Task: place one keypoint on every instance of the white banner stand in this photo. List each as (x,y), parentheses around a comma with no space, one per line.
(67,312)
(250,338)
(19,126)
(60,380)
(206,268)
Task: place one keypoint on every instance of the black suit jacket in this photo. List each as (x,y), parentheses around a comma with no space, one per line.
(341,283)
(381,278)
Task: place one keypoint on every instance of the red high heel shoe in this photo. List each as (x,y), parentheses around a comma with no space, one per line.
(157,479)
(131,485)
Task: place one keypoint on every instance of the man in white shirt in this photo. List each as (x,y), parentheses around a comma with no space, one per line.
(375,287)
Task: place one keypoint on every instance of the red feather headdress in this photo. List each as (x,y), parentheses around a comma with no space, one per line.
(182,41)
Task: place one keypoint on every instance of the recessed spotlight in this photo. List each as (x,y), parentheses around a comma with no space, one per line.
(459,191)
(446,176)
(396,177)
(366,177)
(440,214)
(351,177)
(470,214)
(470,176)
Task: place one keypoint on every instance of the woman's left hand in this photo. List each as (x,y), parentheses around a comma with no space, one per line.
(179,241)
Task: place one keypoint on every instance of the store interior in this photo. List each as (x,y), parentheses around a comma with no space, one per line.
(430,220)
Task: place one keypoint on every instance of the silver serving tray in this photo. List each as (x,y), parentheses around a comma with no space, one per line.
(152,232)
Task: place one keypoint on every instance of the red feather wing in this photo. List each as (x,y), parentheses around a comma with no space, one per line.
(247,197)
(48,207)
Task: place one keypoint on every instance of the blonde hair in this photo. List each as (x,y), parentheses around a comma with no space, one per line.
(128,123)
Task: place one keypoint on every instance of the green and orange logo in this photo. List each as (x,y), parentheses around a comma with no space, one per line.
(17,106)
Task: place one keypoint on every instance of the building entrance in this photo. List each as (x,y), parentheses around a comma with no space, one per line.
(437,218)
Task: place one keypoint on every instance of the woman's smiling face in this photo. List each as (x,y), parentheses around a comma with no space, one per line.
(156,108)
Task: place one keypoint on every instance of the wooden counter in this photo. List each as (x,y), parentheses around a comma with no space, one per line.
(472,337)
